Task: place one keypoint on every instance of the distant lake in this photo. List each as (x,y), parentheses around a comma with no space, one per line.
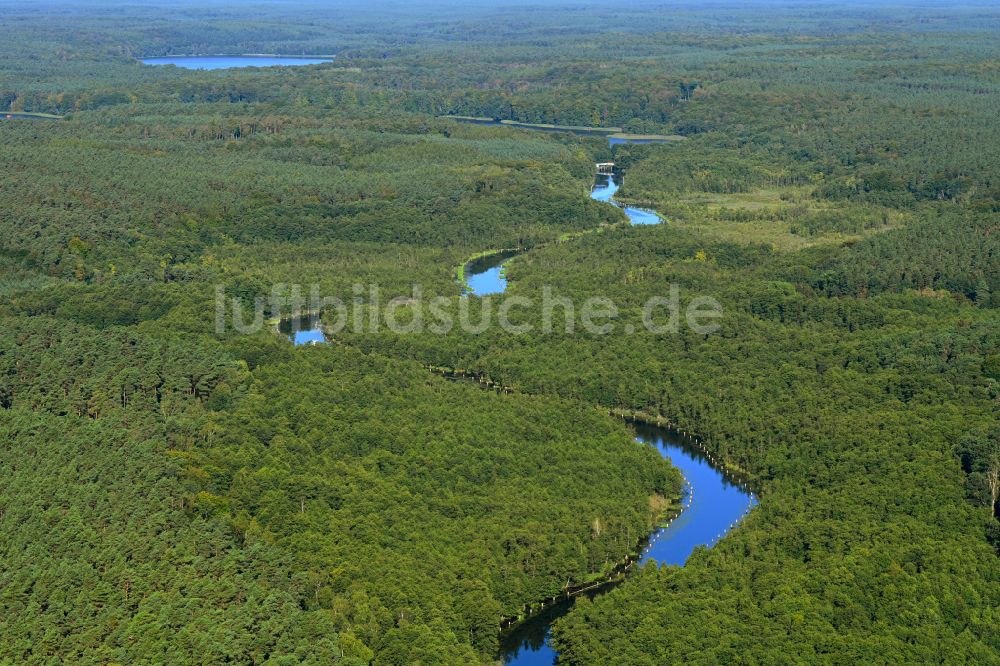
(232,62)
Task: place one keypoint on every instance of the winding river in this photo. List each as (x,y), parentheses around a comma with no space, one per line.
(713,501)
(485,276)
(712,504)
(604,190)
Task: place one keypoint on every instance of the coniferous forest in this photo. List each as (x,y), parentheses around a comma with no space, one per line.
(180,487)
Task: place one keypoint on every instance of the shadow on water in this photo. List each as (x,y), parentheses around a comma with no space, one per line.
(484,276)
(714,501)
(304,330)
(604,189)
(527,643)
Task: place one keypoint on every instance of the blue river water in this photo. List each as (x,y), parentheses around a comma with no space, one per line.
(605,188)
(485,275)
(490,281)
(232,62)
(303,330)
(713,504)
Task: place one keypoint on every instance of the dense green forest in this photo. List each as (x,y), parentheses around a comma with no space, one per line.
(176,492)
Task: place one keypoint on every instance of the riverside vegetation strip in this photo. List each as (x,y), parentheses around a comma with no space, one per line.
(183,517)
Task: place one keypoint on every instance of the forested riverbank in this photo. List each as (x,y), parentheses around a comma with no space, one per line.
(173,490)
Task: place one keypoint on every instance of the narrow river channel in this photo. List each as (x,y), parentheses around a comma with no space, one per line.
(605,188)
(713,502)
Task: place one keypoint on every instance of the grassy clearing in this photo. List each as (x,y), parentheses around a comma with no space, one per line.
(777,235)
(779,217)
(757,200)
